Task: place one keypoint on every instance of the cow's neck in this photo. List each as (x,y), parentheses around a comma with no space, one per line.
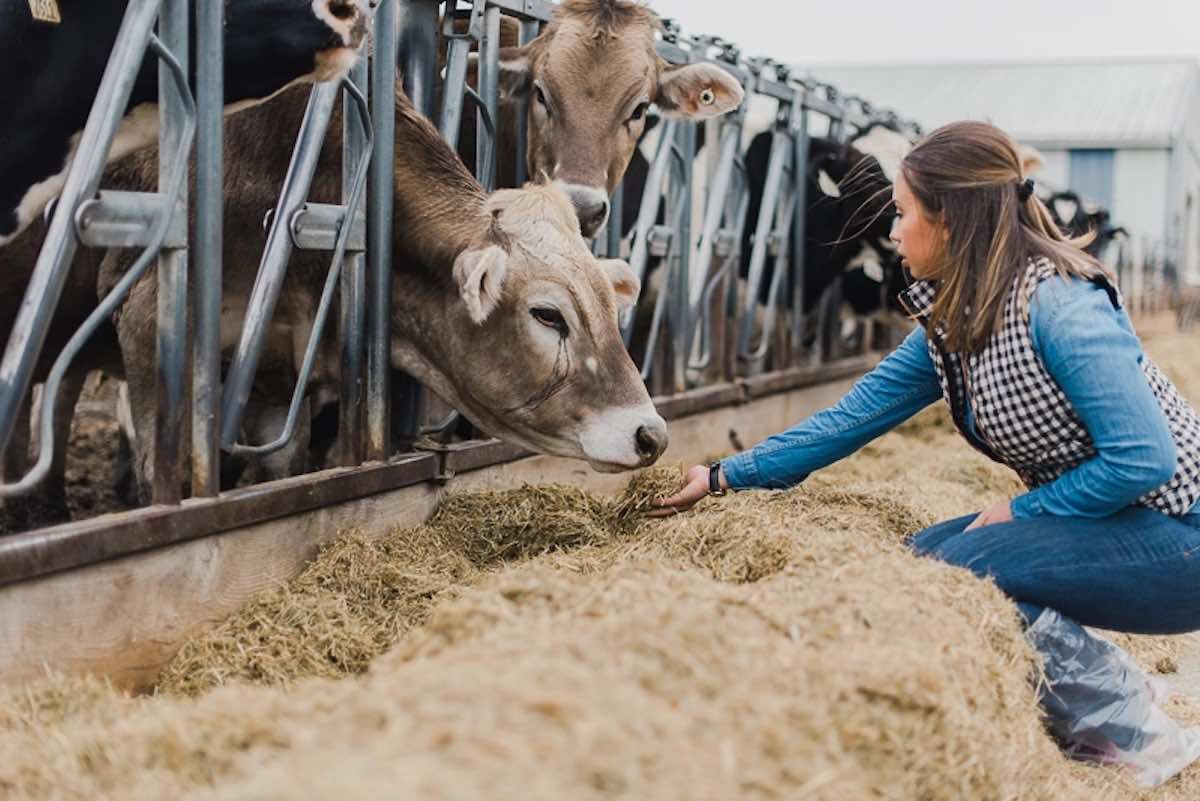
(438,204)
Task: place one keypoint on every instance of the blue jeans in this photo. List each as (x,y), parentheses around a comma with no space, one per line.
(1136,571)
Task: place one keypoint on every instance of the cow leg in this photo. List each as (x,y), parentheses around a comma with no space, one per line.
(14,462)
(136,332)
(264,423)
(50,497)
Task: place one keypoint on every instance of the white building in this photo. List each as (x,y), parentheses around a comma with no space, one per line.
(1125,134)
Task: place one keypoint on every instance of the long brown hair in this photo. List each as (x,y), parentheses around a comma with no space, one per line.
(967,177)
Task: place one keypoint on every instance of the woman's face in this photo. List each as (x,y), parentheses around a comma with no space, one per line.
(918,238)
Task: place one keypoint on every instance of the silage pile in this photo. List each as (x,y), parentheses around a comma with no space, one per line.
(548,643)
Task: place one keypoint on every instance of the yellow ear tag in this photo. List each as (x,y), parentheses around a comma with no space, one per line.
(45,11)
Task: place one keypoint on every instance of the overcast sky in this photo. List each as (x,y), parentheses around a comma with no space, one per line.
(842,31)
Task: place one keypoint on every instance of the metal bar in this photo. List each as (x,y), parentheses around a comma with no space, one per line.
(352,300)
(54,261)
(779,272)
(715,207)
(679,279)
(766,220)
(206,304)
(114,219)
(800,143)
(171,346)
(37,553)
(331,283)
(648,211)
(615,213)
(416,58)
(540,10)
(105,308)
(379,232)
(457,51)
(273,266)
(528,32)
(489,91)
(417,51)
(316,226)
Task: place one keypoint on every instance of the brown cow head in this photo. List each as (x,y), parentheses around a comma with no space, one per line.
(524,339)
(590,77)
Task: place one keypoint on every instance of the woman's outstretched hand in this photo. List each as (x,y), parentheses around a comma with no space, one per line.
(999,512)
(695,487)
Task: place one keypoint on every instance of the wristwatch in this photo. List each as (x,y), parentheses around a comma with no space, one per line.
(714,479)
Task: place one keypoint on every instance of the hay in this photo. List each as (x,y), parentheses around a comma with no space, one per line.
(551,643)
(355,599)
(360,595)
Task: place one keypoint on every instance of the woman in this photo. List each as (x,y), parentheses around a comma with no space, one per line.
(1025,337)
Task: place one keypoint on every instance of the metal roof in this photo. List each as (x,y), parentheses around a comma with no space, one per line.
(1052,104)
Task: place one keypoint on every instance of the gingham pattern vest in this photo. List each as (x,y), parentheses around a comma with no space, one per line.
(1022,416)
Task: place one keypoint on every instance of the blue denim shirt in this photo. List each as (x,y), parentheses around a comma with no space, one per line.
(1089,348)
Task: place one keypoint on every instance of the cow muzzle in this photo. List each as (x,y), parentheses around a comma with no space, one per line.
(623,439)
(348,21)
(591,207)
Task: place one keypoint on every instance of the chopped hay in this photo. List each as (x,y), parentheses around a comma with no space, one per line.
(549,643)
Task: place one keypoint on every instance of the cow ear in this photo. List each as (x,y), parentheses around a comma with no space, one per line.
(516,76)
(625,283)
(828,186)
(697,91)
(479,274)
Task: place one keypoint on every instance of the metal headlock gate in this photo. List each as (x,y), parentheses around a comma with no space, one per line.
(702,350)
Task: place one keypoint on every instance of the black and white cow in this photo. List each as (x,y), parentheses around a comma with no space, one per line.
(1077,217)
(849,215)
(50,73)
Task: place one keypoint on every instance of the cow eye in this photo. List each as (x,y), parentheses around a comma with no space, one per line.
(541,97)
(551,318)
(639,112)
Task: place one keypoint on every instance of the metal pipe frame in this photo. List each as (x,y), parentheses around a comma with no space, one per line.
(776,165)
(175,186)
(206,304)
(353,195)
(489,91)
(356,155)
(83,179)
(273,267)
(171,345)
(652,195)
(379,234)
(527,33)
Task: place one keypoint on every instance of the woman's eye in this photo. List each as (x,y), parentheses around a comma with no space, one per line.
(639,112)
(551,318)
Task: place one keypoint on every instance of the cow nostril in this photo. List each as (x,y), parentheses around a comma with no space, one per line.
(650,443)
(592,216)
(342,10)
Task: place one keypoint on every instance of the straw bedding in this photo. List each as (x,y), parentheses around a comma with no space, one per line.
(551,643)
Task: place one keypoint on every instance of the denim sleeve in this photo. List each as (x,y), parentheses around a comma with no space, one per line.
(899,387)
(1093,354)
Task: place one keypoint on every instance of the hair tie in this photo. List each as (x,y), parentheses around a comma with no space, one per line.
(1025,189)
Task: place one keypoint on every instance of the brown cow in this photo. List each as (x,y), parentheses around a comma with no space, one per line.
(499,306)
(590,77)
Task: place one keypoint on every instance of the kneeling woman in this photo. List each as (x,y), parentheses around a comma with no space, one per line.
(1024,335)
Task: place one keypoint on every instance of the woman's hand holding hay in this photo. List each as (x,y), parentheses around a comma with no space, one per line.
(695,487)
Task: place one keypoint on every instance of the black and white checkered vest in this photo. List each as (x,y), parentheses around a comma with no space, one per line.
(1022,417)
